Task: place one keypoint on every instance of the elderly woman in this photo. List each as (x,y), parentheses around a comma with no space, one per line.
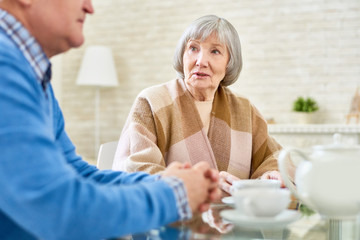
(196,117)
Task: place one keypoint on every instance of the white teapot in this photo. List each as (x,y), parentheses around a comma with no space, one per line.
(328,180)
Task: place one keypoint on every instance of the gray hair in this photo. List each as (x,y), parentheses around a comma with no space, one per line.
(201,29)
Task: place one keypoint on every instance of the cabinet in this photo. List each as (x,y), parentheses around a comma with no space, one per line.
(303,136)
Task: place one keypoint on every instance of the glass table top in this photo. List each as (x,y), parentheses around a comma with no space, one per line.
(223,222)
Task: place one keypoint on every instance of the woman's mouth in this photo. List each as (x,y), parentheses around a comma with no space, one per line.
(200,74)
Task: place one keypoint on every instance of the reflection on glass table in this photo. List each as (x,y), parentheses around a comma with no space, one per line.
(211,226)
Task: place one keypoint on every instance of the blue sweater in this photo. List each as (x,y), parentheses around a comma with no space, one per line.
(47,190)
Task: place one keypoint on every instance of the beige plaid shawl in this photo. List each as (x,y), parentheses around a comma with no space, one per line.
(164,126)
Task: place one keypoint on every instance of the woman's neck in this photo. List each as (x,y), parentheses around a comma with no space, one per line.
(201,95)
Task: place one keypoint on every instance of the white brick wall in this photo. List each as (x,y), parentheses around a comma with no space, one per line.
(290,49)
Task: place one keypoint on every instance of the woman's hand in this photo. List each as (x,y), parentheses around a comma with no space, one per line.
(226,181)
(274,175)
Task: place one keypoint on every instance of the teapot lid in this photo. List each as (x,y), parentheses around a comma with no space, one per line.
(338,144)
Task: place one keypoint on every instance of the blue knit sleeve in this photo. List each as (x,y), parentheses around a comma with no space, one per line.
(83,168)
(47,191)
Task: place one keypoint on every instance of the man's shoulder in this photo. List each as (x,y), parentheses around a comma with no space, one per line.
(6,44)
(8,49)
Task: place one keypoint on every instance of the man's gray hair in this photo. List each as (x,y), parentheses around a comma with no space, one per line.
(201,29)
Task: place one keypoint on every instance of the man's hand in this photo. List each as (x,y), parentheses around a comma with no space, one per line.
(201,183)
(214,191)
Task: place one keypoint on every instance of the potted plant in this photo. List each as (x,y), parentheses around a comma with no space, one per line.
(305,107)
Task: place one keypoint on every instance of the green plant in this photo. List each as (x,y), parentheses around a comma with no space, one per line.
(305,105)
(305,210)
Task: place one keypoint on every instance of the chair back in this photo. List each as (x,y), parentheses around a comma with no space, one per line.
(106,155)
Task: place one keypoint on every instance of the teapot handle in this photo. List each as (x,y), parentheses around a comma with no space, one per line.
(283,156)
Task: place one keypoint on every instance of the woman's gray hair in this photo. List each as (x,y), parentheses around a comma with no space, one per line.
(201,29)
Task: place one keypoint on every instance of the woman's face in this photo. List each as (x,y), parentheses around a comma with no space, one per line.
(204,65)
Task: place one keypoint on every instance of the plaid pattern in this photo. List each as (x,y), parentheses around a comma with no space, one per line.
(165,126)
(181,197)
(28,45)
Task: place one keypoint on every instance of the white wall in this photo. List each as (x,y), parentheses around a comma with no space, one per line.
(290,49)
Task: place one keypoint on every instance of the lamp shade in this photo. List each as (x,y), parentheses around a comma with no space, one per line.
(97,68)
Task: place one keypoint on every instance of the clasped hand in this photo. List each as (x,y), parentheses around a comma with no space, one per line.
(201,183)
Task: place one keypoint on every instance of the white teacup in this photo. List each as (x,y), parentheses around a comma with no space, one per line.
(254,183)
(261,202)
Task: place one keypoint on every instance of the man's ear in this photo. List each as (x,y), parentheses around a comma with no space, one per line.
(25,3)
(12,5)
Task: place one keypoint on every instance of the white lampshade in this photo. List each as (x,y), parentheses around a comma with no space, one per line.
(97,68)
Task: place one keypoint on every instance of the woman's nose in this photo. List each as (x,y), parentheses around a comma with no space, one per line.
(202,59)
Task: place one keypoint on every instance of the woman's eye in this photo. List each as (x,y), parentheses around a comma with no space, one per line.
(193,48)
(216,51)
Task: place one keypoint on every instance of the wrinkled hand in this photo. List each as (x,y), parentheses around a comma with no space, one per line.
(226,181)
(201,183)
(274,175)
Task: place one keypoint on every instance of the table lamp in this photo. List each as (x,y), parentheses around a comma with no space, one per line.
(97,70)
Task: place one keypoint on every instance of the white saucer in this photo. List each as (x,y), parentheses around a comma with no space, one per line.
(228,200)
(281,220)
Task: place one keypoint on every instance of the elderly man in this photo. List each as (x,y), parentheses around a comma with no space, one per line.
(47,190)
